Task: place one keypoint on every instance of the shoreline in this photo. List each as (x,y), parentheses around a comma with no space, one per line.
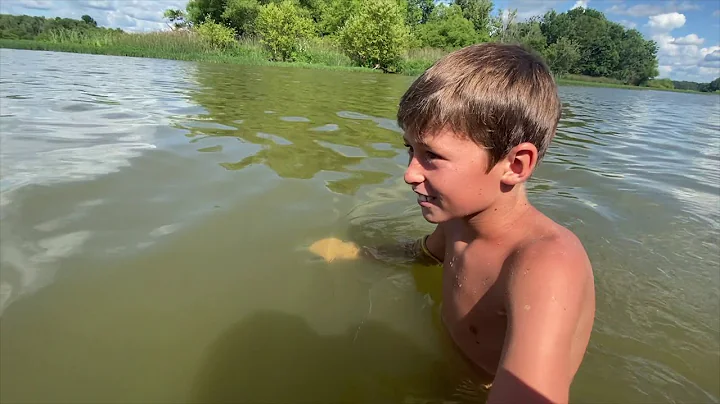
(219,57)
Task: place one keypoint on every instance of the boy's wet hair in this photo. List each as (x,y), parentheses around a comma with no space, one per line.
(498,95)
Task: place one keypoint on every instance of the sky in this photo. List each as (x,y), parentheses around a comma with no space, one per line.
(687,31)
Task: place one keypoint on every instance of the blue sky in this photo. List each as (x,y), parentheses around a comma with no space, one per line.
(687,31)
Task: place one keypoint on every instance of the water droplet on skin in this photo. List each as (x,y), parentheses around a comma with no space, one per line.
(527,307)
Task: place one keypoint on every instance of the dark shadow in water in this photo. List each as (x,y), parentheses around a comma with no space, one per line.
(277,357)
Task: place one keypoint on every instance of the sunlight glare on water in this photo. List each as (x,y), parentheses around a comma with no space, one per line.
(155,218)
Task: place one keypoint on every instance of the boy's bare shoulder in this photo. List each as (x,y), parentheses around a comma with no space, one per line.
(552,255)
(550,311)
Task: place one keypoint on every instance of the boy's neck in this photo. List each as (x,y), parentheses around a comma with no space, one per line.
(500,218)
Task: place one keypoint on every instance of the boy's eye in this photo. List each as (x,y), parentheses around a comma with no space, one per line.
(432,155)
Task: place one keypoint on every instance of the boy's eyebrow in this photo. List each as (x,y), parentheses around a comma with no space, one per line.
(421,142)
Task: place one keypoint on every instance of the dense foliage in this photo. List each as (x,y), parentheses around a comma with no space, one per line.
(385,34)
(283,28)
(704,87)
(27,27)
(377,33)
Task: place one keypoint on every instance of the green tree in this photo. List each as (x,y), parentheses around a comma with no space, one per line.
(283,28)
(241,15)
(447,28)
(419,11)
(41,28)
(606,49)
(199,10)
(89,20)
(638,62)
(500,26)
(527,33)
(599,52)
(714,85)
(216,35)
(335,13)
(562,56)
(314,8)
(377,35)
(477,12)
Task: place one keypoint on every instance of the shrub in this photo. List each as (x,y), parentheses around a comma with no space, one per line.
(661,83)
(283,28)
(447,28)
(377,35)
(215,34)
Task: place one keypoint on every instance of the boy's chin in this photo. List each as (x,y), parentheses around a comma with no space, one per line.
(433,216)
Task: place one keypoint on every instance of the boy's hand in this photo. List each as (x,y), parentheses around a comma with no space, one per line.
(332,248)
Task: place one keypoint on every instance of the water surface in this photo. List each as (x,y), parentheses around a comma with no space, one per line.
(155,217)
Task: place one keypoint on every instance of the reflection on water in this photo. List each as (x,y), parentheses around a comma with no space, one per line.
(155,217)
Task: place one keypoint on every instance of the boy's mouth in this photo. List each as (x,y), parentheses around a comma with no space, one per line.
(424,198)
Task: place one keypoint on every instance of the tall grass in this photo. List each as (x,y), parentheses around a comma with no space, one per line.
(188,45)
(183,45)
(167,42)
(324,51)
(418,60)
(591,79)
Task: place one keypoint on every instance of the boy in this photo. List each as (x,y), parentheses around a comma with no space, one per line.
(518,289)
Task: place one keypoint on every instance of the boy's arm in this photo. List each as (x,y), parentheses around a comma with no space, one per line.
(429,249)
(435,243)
(545,293)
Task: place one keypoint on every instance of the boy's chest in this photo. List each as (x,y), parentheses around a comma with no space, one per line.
(473,306)
(472,281)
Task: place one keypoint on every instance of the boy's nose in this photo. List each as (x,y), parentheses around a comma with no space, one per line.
(413,173)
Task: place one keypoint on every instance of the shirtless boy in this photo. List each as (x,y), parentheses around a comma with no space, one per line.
(518,289)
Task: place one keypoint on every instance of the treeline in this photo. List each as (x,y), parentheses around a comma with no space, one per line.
(41,28)
(393,35)
(702,87)
(375,33)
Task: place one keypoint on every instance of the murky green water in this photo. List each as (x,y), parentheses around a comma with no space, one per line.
(155,216)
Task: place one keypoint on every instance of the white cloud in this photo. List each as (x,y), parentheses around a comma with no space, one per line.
(691,39)
(36,4)
(129,15)
(666,22)
(685,59)
(713,56)
(657,7)
(665,71)
(100,4)
(580,4)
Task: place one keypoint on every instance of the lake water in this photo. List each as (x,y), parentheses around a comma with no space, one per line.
(155,217)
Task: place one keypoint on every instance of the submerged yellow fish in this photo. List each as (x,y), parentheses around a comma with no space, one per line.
(332,248)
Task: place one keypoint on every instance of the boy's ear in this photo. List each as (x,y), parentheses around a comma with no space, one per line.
(520,163)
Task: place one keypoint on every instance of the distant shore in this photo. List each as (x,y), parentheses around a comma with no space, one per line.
(220,57)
